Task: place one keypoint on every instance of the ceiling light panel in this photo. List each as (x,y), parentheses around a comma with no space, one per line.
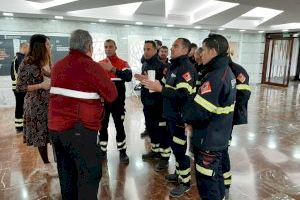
(49,4)
(262,14)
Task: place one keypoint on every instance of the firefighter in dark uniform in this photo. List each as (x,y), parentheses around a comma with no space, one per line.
(119,72)
(199,65)
(240,115)
(153,109)
(180,83)
(210,114)
(19,96)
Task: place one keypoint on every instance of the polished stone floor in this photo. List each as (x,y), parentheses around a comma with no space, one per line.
(265,156)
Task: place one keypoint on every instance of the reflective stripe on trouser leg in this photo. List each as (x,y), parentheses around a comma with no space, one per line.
(165,153)
(19,122)
(103,145)
(155,148)
(227,178)
(185,175)
(121,145)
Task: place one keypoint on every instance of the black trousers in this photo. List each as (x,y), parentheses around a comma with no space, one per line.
(78,162)
(118,113)
(226,165)
(19,111)
(179,146)
(209,176)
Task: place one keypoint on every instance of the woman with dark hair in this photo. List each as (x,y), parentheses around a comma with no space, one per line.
(34,78)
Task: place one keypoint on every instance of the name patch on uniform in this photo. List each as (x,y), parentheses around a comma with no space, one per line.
(187,76)
(241,78)
(205,88)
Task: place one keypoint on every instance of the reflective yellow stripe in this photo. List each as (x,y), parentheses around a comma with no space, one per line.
(186,86)
(227,175)
(167,150)
(169,86)
(155,150)
(19,125)
(186,180)
(103,148)
(227,182)
(211,107)
(202,170)
(103,143)
(14,82)
(19,120)
(162,124)
(163,80)
(198,82)
(165,155)
(124,147)
(243,87)
(121,143)
(177,164)
(185,172)
(179,141)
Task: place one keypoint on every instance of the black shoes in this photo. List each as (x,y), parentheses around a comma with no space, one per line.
(180,190)
(173,178)
(144,134)
(103,155)
(124,158)
(150,156)
(162,165)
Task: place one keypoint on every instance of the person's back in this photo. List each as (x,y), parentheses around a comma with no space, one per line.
(79,87)
(80,73)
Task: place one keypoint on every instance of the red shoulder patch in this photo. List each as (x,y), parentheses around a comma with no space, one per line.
(205,88)
(241,78)
(187,76)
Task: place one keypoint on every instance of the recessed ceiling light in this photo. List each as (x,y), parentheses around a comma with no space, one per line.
(8,14)
(285,30)
(139,23)
(93,23)
(155,27)
(59,17)
(221,29)
(170,25)
(242,30)
(197,27)
(261,31)
(102,20)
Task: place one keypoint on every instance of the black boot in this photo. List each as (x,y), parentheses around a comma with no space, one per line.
(144,134)
(123,157)
(150,156)
(103,155)
(162,165)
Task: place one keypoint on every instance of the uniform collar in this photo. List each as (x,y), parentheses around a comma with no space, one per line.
(178,60)
(152,59)
(113,57)
(217,62)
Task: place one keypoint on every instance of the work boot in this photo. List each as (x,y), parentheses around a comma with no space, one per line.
(103,155)
(124,158)
(150,156)
(144,134)
(162,165)
(179,190)
(172,178)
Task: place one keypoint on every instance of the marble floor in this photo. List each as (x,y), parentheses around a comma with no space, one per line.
(265,156)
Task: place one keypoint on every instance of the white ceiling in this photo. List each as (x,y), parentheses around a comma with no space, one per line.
(207,14)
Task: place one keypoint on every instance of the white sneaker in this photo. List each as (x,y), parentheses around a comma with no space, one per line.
(51,170)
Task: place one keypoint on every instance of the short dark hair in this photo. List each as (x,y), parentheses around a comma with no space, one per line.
(110,40)
(158,42)
(217,42)
(163,47)
(186,43)
(193,45)
(151,42)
